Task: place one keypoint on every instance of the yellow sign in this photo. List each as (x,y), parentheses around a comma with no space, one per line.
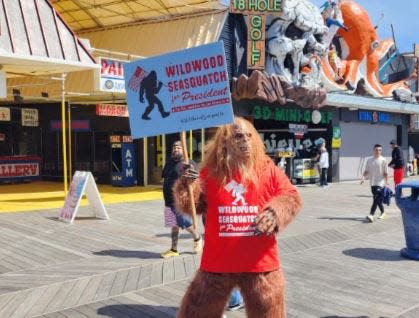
(286,154)
(336,143)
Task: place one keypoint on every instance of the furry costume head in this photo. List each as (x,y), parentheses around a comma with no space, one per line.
(236,148)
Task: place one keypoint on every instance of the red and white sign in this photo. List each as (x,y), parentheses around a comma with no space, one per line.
(126,138)
(17,170)
(111,110)
(2,137)
(4,114)
(112,76)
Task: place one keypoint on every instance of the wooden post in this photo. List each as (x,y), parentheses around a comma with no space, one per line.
(190,190)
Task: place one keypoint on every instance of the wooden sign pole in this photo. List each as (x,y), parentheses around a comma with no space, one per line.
(190,190)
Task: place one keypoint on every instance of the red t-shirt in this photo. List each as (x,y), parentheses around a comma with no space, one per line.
(230,245)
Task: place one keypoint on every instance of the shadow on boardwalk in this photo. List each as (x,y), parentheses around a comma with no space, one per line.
(129,254)
(374,254)
(146,311)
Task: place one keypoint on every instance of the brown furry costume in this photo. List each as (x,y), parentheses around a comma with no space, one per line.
(237,150)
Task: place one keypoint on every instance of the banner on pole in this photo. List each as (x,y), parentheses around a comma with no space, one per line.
(82,183)
(179,91)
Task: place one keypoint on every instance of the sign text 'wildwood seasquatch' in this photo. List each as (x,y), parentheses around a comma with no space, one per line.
(256,10)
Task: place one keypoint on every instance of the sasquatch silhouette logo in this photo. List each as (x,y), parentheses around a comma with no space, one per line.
(150,87)
(237,191)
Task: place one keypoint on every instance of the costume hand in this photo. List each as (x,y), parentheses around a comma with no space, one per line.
(189,173)
(265,222)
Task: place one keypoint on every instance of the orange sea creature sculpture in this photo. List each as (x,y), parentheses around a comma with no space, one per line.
(361,53)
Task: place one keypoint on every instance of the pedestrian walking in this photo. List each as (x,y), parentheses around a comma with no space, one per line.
(172,218)
(397,162)
(324,165)
(376,171)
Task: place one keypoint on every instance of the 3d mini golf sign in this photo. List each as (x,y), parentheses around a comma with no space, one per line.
(256,11)
(179,91)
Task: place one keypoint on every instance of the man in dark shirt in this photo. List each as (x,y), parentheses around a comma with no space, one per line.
(172,218)
(397,162)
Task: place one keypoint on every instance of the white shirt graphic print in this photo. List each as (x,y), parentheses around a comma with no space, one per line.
(236,218)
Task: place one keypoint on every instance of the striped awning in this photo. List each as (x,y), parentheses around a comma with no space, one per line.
(35,40)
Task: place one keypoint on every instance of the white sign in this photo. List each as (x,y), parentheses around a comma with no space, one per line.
(316,116)
(4,114)
(30,117)
(112,76)
(82,183)
(3,85)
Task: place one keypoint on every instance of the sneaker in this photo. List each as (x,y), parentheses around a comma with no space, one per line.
(382,216)
(169,253)
(197,246)
(236,307)
(370,218)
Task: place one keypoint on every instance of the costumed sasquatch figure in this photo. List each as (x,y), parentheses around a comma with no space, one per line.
(245,200)
(150,87)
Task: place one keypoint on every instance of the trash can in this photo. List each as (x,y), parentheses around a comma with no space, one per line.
(409,206)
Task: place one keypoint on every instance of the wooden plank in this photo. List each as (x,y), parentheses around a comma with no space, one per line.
(145,276)
(148,306)
(38,308)
(132,279)
(168,271)
(157,274)
(60,296)
(14,303)
(75,293)
(119,283)
(73,313)
(179,268)
(91,289)
(189,266)
(105,286)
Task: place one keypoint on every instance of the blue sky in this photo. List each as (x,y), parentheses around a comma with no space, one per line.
(403,14)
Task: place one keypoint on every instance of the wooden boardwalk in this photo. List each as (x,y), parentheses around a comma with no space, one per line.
(336,265)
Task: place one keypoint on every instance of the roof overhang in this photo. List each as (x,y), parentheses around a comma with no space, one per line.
(22,65)
(370,103)
(95,15)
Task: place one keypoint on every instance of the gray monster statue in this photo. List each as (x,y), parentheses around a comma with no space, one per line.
(296,33)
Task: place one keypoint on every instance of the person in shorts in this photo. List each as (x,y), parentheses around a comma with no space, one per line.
(172,218)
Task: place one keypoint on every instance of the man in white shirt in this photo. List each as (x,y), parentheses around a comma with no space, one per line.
(324,165)
(376,170)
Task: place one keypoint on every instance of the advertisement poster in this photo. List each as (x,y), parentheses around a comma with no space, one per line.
(4,114)
(74,195)
(82,183)
(30,117)
(179,91)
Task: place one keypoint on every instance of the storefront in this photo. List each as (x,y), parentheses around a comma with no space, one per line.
(361,130)
(292,135)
